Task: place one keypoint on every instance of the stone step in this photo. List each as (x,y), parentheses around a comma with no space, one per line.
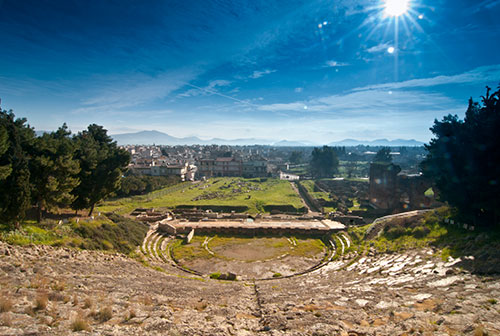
(152,247)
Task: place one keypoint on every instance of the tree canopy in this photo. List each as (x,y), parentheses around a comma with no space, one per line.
(383,156)
(324,162)
(53,170)
(296,157)
(102,164)
(14,182)
(464,160)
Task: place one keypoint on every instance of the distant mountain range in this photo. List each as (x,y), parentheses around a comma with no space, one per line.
(159,138)
(378,142)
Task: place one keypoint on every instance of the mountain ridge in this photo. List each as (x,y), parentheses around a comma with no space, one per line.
(151,137)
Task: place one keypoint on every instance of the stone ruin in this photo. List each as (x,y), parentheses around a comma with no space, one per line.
(392,191)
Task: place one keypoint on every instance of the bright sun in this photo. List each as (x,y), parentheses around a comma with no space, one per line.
(396,7)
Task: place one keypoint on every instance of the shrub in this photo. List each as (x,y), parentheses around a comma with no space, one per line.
(215,275)
(276,275)
(115,233)
(41,301)
(5,304)
(395,232)
(88,303)
(79,324)
(420,231)
(56,296)
(105,314)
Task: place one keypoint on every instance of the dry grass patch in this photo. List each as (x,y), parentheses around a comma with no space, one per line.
(75,300)
(59,285)
(6,320)
(6,303)
(200,306)
(79,323)
(147,300)
(56,296)
(88,303)
(41,301)
(131,314)
(39,282)
(104,314)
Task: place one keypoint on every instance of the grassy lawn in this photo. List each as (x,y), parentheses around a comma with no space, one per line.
(224,191)
(193,250)
(309,185)
(357,168)
(247,249)
(307,247)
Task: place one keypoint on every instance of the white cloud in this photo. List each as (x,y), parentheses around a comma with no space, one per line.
(482,74)
(206,90)
(119,93)
(257,74)
(378,48)
(298,89)
(296,106)
(374,102)
(334,64)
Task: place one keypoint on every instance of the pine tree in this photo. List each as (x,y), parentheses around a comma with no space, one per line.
(383,156)
(464,160)
(324,162)
(53,170)
(15,188)
(102,164)
(5,169)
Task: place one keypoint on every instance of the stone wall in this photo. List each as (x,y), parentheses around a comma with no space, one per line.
(392,191)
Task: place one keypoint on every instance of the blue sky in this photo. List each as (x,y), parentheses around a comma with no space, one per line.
(298,70)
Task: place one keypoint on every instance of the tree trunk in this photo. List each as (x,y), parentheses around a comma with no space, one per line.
(91,210)
(39,212)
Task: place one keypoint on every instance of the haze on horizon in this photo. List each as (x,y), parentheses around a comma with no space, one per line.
(297,70)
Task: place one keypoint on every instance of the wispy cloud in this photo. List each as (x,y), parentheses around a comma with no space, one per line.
(205,90)
(483,74)
(487,4)
(257,74)
(378,48)
(334,64)
(119,93)
(374,102)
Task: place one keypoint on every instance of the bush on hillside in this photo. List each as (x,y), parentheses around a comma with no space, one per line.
(120,234)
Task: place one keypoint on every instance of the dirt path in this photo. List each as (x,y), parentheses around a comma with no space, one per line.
(304,201)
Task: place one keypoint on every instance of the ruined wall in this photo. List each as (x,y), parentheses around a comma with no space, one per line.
(383,185)
(391,191)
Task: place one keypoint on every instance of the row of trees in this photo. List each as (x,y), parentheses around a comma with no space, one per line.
(55,169)
(325,161)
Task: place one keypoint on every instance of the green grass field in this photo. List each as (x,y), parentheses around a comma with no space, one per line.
(224,191)
(250,248)
(309,185)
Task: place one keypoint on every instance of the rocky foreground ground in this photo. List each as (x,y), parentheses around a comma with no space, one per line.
(51,291)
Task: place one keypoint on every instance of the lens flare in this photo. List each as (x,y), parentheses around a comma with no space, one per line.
(396,7)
